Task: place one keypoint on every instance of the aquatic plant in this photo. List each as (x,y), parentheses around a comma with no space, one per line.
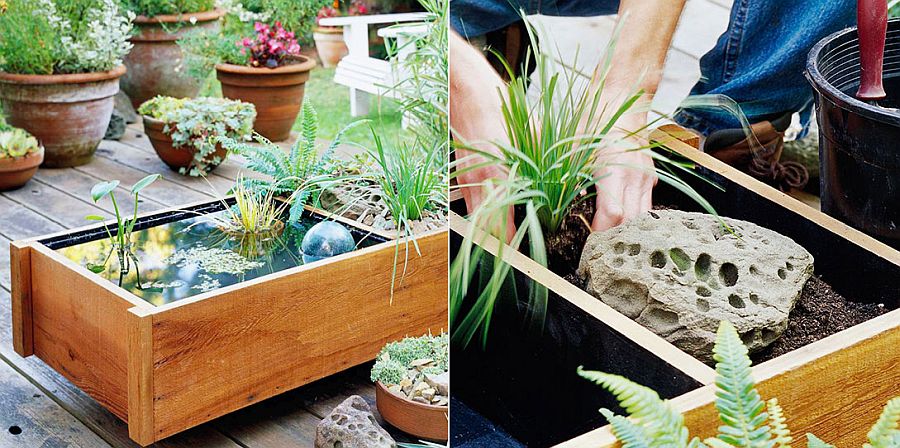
(195,123)
(213,260)
(121,241)
(17,142)
(747,420)
(299,173)
(552,163)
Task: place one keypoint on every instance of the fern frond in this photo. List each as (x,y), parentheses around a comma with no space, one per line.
(780,431)
(815,442)
(739,404)
(885,431)
(303,153)
(338,139)
(631,435)
(662,424)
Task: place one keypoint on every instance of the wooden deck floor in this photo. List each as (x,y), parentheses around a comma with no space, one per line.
(40,408)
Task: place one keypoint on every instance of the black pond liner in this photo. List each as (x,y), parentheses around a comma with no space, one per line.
(859,143)
(522,390)
(165,217)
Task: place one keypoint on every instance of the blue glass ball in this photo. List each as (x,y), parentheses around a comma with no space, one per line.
(326,239)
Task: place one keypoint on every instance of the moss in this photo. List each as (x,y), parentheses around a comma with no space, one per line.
(395,358)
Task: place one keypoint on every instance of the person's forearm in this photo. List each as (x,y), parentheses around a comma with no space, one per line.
(475,90)
(643,43)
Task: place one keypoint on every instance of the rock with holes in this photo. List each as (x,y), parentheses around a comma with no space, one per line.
(352,425)
(680,273)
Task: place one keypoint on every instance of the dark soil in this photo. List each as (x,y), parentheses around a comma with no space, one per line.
(819,312)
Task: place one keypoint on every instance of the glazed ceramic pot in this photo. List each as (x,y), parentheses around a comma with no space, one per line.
(17,171)
(277,93)
(155,62)
(68,114)
(330,45)
(176,158)
(421,420)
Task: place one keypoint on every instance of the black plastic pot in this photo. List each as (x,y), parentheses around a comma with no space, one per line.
(858,142)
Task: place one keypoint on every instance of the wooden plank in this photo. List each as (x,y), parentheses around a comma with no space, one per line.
(77,186)
(18,222)
(5,274)
(85,408)
(54,204)
(149,163)
(140,376)
(79,327)
(225,350)
(21,305)
(29,419)
(163,191)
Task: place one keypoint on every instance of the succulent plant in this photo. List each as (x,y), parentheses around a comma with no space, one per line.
(16,142)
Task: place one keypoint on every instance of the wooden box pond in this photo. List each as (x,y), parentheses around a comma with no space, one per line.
(522,389)
(166,368)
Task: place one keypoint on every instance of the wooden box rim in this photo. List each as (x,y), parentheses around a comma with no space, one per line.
(703,396)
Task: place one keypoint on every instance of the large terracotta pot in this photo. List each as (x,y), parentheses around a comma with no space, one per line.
(154,64)
(277,93)
(423,421)
(176,158)
(17,171)
(68,114)
(330,45)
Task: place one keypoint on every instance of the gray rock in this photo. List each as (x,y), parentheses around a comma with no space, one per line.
(116,128)
(441,383)
(679,274)
(352,425)
(125,109)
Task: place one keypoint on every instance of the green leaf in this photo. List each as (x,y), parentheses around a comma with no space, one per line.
(143,183)
(102,189)
(815,442)
(885,432)
(630,434)
(95,268)
(94,218)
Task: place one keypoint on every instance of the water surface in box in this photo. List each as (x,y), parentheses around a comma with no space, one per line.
(187,257)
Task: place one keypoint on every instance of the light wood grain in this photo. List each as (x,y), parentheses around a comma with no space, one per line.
(21,305)
(140,375)
(79,327)
(217,354)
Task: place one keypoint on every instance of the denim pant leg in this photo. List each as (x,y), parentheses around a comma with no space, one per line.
(473,18)
(760,59)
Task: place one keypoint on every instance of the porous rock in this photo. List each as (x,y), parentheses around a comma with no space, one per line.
(116,128)
(680,274)
(352,425)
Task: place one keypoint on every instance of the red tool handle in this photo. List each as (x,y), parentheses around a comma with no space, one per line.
(872,18)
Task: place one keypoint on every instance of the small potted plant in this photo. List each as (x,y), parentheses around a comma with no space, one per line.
(20,155)
(183,131)
(412,391)
(329,40)
(273,79)
(60,64)
(155,62)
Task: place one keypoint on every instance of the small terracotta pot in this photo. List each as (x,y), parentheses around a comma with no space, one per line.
(68,114)
(423,421)
(17,171)
(176,158)
(330,45)
(277,93)
(155,62)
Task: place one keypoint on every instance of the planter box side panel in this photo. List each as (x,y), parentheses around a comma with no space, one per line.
(222,353)
(21,309)
(79,329)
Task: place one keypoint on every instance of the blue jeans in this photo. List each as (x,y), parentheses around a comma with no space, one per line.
(758,62)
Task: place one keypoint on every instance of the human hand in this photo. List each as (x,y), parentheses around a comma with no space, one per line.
(626,180)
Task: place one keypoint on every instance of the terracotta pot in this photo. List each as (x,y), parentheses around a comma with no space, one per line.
(154,64)
(420,420)
(277,93)
(17,171)
(330,45)
(176,158)
(68,114)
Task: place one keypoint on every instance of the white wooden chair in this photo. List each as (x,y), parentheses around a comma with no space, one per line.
(363,74)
